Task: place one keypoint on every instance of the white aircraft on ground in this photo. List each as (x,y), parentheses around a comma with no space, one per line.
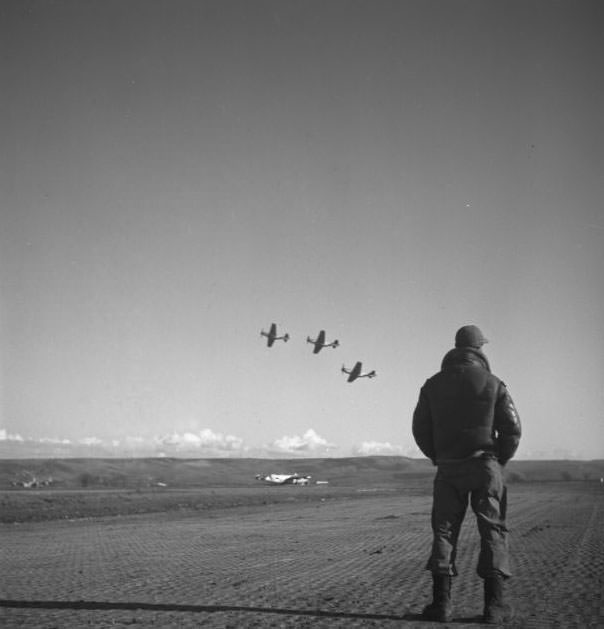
(284,479)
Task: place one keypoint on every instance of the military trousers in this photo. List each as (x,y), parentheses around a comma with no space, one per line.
(480,483)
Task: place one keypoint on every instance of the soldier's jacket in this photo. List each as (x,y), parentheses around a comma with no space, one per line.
(465,411)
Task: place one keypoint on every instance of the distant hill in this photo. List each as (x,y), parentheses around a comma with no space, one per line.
(554,470)
(79,473)
(189,473)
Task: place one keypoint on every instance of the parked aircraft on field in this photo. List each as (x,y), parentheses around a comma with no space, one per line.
(32,482)
(284,479)
(320,343)
(356,372)
(271,335)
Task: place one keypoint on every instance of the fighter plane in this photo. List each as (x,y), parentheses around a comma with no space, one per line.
(320,343)
(284,479)
(271,335)
(355,372)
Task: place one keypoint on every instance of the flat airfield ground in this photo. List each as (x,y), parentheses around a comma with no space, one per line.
(350,561)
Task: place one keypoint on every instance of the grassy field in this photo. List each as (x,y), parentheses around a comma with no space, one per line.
(87,488)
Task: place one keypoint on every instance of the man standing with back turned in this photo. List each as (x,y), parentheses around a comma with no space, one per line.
(465,422)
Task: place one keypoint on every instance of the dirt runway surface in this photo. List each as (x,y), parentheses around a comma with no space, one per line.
(336,563)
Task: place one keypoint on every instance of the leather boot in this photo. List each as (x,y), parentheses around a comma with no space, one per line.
(440,609)
(496,610)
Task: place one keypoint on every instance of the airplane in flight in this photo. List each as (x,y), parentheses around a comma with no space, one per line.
(271,335)
(355,372)
(284,479)
(320,343)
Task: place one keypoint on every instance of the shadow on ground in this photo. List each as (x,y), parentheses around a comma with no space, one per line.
(209,609)
(169,607)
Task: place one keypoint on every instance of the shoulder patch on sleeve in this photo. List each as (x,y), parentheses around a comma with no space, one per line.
(513,412)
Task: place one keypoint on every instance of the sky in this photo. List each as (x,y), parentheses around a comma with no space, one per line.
(175,175)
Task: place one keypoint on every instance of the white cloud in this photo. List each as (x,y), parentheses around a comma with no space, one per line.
(203,443)
(90,441)
(5,436)
(134,441)
(205,440)
(372,448)
(309,443)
